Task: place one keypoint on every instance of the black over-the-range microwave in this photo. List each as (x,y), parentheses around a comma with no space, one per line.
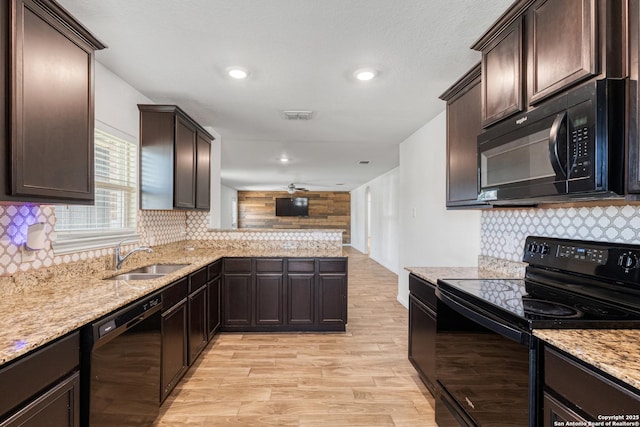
(570,147)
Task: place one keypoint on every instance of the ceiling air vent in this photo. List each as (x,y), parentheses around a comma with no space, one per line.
(364,162)
(297,115)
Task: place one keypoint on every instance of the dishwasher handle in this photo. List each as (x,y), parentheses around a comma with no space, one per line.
(122,320)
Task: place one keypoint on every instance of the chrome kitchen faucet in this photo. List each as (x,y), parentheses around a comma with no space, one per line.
(118,259)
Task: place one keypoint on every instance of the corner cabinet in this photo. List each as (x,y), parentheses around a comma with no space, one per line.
(174,160)
(43,388)
(47,118)
(464,119)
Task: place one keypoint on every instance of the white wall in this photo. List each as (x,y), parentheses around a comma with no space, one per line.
(117,102)
(227,196)
(215,212)
(431,235)
(384,219)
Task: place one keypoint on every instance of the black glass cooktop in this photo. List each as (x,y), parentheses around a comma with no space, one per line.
(532,305)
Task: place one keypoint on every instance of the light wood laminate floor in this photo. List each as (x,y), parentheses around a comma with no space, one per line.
(358,378)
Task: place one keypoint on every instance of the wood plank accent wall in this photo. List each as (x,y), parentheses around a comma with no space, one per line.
(327,209)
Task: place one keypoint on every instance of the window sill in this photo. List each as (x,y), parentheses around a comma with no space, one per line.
(70,244)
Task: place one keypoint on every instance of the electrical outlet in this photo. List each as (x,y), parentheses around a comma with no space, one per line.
(510,242)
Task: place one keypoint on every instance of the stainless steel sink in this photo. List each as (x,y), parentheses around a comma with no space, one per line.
(153,271)
(159,268)
(135,276)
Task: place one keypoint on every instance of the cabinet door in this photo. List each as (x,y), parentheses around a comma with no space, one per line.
(502,75)
(269,298)
(561,44)
(332,299)
(463,126)
(213,307)
(51,108)
(174,347)
(237,299)
(185,165)
(58,407)
(203,172)
(633,155)
(555,413)
(300,299)
(197,323)
(422,341)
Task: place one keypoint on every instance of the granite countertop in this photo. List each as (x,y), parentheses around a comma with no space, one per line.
(613,351)
(51,308)
(432,274)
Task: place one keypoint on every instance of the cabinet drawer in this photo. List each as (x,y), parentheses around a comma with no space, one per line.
(301,265)
(423,290)
(26,377)
(269,265)
(585,388)
(215,269)
(237,265)
(333,265)
(174,293)
(197,279)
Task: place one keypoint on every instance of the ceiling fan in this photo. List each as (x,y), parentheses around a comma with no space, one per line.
(291,188)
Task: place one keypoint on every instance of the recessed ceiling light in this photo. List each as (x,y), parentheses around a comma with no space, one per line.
(237,73)
(365,74)
(284,159)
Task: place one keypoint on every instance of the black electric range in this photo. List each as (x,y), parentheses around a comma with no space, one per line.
(486,353)
(568,284)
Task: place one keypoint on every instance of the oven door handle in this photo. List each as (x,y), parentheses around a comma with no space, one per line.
(554,145)
(485,319)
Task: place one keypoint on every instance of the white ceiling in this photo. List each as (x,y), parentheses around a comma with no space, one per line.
(301,55)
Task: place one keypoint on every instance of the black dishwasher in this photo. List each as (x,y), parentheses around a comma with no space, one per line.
(121,366)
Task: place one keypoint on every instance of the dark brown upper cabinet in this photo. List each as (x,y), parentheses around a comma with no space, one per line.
(464,123)
(203,171)
(174,161)
(539,48)
(562,45)
(47,119)
(502,71)
(633,176)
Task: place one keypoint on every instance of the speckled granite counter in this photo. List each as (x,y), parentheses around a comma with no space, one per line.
(432,274)
(47,306)
(612,351)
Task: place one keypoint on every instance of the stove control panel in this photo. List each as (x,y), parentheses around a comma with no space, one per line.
(583,253)
(613,261)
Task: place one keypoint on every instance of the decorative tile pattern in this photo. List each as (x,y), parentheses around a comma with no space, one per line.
(197,225)
(162,227)
(503,231)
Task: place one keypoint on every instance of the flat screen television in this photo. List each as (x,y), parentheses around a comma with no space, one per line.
(296,206)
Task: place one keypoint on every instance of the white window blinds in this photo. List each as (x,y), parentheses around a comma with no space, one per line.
(115,209)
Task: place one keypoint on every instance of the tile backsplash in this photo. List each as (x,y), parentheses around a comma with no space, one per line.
(154,227)
(503,231)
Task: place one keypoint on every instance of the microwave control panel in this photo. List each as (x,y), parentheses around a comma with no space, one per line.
(580,159)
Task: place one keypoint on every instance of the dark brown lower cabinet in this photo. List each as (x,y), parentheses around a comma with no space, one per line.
(576,391)
(198,333)
(300,299)
(58,407)
(286,294)
(213,306)
(422,330)
(174,347)
(43,388)
(269,299)
(237,291)
(332,296)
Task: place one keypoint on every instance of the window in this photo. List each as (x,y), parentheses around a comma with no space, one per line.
(113,217)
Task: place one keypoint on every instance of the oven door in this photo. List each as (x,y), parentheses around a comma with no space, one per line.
(482,368)
(527,162)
